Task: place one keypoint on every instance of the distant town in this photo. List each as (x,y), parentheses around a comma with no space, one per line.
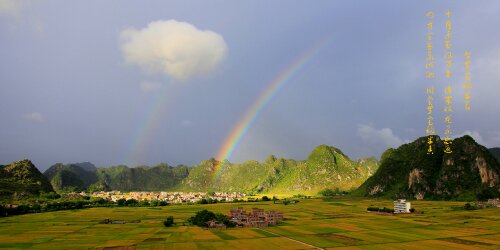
(171,197)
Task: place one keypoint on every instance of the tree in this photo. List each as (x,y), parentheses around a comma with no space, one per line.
(49,195)
(275,199)
(131,202)
(221,218)
(265,198)
(121,202)
(98,201)
(327,192)
(201,218)
(469,206)
(169,221)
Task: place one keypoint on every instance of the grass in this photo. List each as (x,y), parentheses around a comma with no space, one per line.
(341,222)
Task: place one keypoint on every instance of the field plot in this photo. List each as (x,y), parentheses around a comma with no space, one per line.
(341,223)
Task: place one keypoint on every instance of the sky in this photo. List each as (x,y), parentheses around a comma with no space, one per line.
(140,83)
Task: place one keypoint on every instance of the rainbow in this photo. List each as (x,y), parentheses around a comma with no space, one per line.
(245,123)
(150,124)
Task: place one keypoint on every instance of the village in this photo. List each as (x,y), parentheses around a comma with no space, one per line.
(238,217)
(170,197)
(256,218)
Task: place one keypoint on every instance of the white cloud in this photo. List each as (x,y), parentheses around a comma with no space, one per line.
(177,49)
(34,117)
(379,137)
(474,134)
(11,8)
(490,141)
(147,87)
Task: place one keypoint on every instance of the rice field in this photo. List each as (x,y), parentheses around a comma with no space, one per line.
(340,223)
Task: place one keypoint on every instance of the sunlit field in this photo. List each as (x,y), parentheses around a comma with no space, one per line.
(340,223)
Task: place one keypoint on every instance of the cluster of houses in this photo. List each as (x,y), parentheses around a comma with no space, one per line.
(256,218)
(489,203)
(171,197)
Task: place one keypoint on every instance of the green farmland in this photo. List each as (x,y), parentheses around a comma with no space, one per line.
(341,223)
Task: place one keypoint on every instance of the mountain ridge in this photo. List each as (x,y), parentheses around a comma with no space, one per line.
(21,178)
(326,167)
(469,171)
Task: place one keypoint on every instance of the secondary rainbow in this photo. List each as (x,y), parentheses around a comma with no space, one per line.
(244,124)
(149,125)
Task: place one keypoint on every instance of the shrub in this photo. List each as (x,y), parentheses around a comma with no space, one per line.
(98,200)
(169,221)
(469,206)
(327,192)
(387,210)
(50,195)
(36,207)
(201,218)
(412,210)
(121,202)
(265,198)
(131,202)
(331,192)
(3,211)
(222,218)
(383,210)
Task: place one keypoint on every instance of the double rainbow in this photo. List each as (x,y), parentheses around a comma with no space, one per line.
(151,124)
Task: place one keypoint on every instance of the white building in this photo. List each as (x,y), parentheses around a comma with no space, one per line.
(402,206)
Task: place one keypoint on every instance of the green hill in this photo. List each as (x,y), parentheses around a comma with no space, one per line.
(470,171)
(158,178)
(77,176)
(85,176)
(495,152)
(326,167)
(22,178)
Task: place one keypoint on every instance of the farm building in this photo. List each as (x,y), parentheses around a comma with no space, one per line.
(494,202)
(402,206)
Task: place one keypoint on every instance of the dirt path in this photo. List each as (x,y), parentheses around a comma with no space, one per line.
(307,244)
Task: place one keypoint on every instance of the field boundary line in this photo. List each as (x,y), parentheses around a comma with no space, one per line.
(313,246)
